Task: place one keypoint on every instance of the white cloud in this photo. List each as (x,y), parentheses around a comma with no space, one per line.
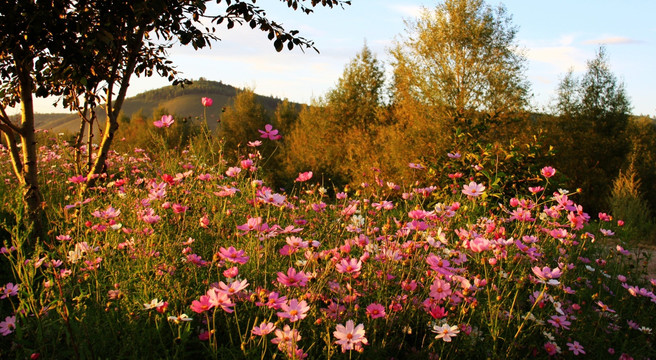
(562,58)
(612,40)
(406,10)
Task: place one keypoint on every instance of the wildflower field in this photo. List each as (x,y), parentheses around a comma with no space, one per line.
(180,253)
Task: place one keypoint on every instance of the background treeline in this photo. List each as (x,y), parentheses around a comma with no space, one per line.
(457,86)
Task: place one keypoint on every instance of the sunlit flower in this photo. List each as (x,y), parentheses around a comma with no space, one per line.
(304,176)
(294,311)
(165,121)
(153,304)
(349,266)
(350,337)
(234,287)
(293,278)
(286,338)
(263,329)
(440,289)
(375,311)
(445,332)
(473,189)
(180,318)
(269,133)
(233,255)
(207,102)
(217,298)
(548,171)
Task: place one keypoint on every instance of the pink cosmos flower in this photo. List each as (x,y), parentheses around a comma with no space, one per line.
(201,305)
(148,216)
(455,155)
(110,213)
(267,196)
(246,164)
(293,278)
(416,166)
(604,307)
(8,326)
(375,311)
(349,266)
(263,329)
(179,208)
(552,348)
(535,189)
(251,224)
(204,222)
(286,338)
(165,121)
(233,171)
(207,102)
(546,273)
(269,133)
(217,298)
(350,337)
(231,272)
(445,332)
(479,244)
(440,289)
(294,311)
(548,171)
(9,290)
(436,311)
(234,288)
(305,176)
(79,179)
(473,189)
(233,255)
(274,301)
(559,321)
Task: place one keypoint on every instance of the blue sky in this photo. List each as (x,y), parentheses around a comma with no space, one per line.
(556,35)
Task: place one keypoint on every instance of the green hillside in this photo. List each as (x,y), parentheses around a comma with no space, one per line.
(179,101)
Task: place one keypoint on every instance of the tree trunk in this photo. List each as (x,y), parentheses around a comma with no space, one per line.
(32,196)
(113,109)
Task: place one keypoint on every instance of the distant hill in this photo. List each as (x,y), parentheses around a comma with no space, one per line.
(179,101)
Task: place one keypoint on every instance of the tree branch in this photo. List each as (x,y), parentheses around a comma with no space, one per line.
(5,119)
(16,163)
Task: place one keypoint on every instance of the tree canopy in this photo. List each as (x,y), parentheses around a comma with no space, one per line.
(461,60)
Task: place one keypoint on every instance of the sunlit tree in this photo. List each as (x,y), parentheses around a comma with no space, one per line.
(459,63)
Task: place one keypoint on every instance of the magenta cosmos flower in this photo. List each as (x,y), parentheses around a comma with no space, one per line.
(165,121)
(304,176)
(375,310)
(207,102)
(269,133)
(548,171)
(350,337)
(233,255)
